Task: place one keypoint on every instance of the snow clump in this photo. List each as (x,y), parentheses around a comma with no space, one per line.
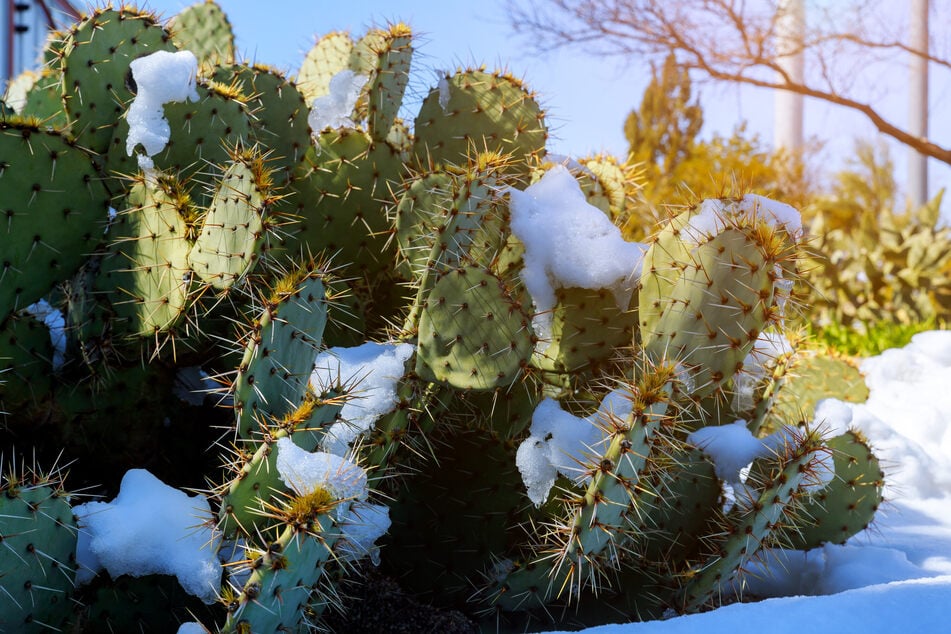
(160,78)
(150,528)
(569,243)
(560,442)
(375,369)
(714,215)
(335,109)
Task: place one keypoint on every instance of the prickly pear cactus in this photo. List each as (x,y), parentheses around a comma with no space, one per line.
(169,311)
(39,536)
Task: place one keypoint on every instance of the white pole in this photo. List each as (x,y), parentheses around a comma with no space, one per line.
(788,106)
(918,102)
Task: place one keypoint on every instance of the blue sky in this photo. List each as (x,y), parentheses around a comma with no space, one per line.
(587,98)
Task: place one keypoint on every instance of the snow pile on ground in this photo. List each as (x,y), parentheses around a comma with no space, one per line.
(375,369)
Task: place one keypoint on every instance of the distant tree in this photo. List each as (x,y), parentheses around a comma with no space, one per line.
(850,45)
(864,193)
(677,168)
(663,130)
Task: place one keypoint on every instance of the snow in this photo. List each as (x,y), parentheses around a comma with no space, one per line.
(730,447)
(894,577)
(714,214)
(150,528)
(569,243)
(304,472)
(444,94)
(559,442)
(160,78)
(374,370)
(56,323)
(360,528)
(335,109)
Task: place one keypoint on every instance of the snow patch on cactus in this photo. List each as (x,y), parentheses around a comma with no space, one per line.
(362,525)
(160,78)
(560,442)
(305,472)
(569,243)
(374,369)
(191,628)
(444,94)
(731,448)
(150,528)
(56,323)
(715,213)
(335,109)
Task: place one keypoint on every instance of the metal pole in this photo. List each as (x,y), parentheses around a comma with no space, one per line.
(788,105)
(918,102)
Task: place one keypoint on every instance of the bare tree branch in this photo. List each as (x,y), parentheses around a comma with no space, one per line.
(736,41)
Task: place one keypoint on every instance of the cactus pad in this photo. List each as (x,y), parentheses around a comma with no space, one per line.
(55,209)
(473,331)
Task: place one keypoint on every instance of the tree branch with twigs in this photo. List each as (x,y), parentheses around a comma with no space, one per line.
(736,41)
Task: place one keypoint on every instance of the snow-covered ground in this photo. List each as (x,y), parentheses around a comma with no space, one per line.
(895,577)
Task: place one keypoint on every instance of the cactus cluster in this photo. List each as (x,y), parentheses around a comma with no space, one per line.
(541,440)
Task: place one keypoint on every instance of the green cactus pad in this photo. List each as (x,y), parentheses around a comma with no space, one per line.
(423,206)
(776,484)
(283,577)
(233,230)
(587,330)
(257,485)
(706,310)
(38,95)
(279,357)
(846,505)
(279,114)
(26,363)
(203,29)
(597,530)
(330,55)
(346,315)
(341,196)
(146,275)
(812,377)
(686,492)
(203,133)
(386,57)
(474,332)
(474,111)
(95,63)
(37,564)
(609,191)
(55,210)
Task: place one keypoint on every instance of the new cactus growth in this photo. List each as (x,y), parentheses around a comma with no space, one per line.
(533,432)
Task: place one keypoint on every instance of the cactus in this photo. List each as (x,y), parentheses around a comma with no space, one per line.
(204,29)
(40,536)
(199,284)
